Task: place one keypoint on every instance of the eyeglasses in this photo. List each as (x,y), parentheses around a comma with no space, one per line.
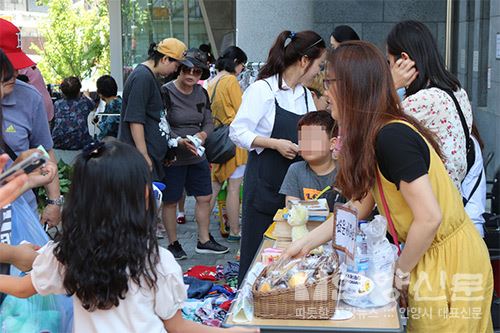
(326,82)
(192,70)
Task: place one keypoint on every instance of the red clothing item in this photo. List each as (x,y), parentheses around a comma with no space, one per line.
(202,273)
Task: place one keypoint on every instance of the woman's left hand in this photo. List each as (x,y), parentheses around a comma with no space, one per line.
(402,285)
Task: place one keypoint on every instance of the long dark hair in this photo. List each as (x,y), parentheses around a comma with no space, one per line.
(416,39)
(109,227)
(343,33)
(6,73)
(367,101)
(289,48)
(230,58)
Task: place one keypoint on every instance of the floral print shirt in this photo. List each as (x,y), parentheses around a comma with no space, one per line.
(70,130)
(108,125)
(435,110)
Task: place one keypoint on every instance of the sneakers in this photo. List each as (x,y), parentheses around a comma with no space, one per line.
(234,238)
(176,249)
(211,247)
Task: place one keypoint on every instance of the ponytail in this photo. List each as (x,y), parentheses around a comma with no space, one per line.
(288,48)
(153,53)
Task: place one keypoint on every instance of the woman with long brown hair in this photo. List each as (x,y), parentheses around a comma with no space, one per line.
(389,159)
(266,125)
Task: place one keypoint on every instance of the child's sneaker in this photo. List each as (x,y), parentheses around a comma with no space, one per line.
(176,249)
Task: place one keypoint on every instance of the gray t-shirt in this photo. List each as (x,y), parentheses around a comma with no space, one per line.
(188,115)
(301,180)
(142,103)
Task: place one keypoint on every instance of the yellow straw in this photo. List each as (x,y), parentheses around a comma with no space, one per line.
(323,192)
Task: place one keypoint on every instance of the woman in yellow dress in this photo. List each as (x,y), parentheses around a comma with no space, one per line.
(225,96)
(443,273)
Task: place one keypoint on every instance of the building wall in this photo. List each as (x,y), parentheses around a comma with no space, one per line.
(476,26)
(258,22)
(488,117)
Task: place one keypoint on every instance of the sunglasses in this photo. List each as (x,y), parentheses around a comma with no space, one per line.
(327,82)
(192,71)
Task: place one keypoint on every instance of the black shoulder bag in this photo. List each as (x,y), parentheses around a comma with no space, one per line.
(218,146)
(471,152)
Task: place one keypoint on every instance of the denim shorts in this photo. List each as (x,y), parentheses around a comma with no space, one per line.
(195,178)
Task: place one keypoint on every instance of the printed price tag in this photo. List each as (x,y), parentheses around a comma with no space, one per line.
(345,227)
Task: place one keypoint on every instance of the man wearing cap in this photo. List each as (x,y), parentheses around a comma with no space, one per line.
(25,126)
(10,43)
(142,104)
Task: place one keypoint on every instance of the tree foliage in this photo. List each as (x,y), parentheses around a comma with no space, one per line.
(76,39)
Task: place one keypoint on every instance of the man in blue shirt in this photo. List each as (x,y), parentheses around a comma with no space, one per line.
(25,126)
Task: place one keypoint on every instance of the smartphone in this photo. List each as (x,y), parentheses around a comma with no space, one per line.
(27,165)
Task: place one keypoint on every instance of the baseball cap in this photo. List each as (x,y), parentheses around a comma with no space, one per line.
(175,49)
(10,43)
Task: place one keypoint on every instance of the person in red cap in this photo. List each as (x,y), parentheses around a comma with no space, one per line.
(10,43)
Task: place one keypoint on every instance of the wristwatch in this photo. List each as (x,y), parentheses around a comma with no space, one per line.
(402,275)
(58,202)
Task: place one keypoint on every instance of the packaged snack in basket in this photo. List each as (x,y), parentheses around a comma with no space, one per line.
(270,255)
(296,272)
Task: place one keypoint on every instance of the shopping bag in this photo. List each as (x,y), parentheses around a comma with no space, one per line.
(52,313)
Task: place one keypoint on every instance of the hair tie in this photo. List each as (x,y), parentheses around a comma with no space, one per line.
(291,36)
(93,149)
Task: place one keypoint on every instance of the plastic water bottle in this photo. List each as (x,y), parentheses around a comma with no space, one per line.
(361,256)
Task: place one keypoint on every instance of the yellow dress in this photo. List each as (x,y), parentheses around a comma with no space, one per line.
(225,104)
(451,287)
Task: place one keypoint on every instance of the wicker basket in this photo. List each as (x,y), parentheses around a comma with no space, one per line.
(316,300)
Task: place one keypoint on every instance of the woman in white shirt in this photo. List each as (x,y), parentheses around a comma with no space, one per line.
(266,125)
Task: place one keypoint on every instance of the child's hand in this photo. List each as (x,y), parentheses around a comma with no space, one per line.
(24,255)
(243,330)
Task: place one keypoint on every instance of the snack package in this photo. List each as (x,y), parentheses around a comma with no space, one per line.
(270,255)
(297,272)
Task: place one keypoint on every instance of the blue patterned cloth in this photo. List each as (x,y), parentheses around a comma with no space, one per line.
(70,130)
(108,125)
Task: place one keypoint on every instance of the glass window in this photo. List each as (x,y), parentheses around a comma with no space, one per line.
(148,21)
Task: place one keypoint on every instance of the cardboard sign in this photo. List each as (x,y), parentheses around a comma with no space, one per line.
(345,227)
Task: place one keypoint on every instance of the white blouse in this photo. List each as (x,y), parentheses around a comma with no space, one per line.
(436,111)
(256,114)
(142,310)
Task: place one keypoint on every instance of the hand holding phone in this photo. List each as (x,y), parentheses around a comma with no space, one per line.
(10,191)
(26,165)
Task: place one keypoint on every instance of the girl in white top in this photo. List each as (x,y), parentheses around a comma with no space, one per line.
(108,257)
(426,98)
(266,125)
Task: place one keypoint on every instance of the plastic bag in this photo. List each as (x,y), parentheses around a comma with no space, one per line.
(52,313)
(382,257)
